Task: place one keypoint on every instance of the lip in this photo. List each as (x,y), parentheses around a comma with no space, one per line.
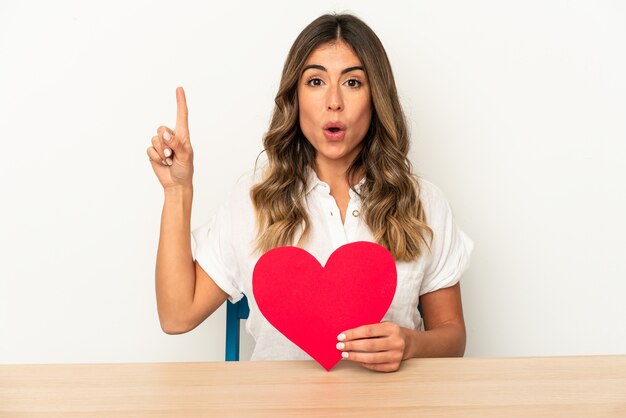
(336,135)
(337,124)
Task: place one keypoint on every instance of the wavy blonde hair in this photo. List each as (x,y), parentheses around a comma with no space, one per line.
(390,192)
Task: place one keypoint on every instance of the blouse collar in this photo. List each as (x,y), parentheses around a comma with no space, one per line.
(313,181)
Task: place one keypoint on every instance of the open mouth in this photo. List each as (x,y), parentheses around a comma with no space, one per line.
(334,127)
(334,131)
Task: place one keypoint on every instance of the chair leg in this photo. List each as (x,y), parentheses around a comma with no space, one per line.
(232,332)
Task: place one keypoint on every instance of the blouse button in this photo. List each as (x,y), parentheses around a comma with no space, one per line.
(355,213)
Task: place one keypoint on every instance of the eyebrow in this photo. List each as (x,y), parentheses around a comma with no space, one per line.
(322,68)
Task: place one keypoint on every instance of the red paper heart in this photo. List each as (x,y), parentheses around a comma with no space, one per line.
(311,304)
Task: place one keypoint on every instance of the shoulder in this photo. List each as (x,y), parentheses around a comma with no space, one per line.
(437,209)
(240,191)
(431,196)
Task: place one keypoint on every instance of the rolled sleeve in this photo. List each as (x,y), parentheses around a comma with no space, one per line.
(213,249)
(450,249)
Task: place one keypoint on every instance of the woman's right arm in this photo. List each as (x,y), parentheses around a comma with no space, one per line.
(186,295)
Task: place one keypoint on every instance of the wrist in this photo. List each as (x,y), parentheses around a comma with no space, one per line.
(411,342)
(178,189)
(179,195)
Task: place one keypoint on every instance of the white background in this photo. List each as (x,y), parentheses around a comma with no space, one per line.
(517,111)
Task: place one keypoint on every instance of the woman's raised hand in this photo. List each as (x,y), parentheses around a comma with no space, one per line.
(171,154)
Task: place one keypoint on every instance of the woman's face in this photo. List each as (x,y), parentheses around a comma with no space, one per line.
(335,103)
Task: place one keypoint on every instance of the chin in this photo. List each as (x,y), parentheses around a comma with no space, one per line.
(336,151)
(332,154)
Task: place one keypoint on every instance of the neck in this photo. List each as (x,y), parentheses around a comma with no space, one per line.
(333,173)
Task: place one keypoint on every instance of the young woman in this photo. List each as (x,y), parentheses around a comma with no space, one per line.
(337,172)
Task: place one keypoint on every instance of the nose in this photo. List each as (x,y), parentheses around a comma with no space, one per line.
(334,99)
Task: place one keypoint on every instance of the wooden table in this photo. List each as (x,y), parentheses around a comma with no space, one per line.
(482,387)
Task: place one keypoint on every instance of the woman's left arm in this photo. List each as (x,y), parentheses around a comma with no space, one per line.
(383,346)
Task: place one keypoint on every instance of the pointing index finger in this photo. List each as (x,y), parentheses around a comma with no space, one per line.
(182,113)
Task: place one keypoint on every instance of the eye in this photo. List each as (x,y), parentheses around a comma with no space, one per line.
(314,82)
(354,83)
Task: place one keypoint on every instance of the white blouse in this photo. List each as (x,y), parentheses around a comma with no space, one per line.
(224,249)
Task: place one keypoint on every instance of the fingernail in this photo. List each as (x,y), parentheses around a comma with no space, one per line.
(341,337)
(344,354)
(167,152)
(163,162)
(341,346)
(168,161)
(167,136)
